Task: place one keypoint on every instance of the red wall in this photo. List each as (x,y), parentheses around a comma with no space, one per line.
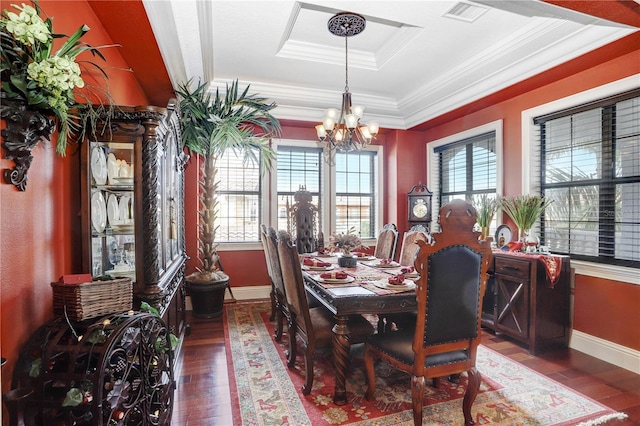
(40,239)
(598,311)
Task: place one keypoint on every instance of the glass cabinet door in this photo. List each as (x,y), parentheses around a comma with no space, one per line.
(112,208)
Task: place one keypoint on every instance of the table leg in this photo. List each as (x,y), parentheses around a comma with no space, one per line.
(341,347)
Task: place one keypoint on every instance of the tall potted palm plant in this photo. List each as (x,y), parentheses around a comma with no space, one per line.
(211,126)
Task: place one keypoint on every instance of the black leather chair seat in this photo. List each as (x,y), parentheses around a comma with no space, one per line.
(397,344)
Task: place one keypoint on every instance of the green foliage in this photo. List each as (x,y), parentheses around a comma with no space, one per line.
(145,307)
(486,207)
(524,210)
(214,125)
(45,80)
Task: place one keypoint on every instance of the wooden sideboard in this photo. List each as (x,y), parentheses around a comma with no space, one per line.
(522,303)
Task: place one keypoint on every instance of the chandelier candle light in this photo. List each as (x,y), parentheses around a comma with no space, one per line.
(341,130)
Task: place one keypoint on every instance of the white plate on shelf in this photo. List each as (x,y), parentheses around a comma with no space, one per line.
(113,210)
(349,279)
(98,165)
(113,170)
(406,285)
(123,209)
(123,180)
(98,211)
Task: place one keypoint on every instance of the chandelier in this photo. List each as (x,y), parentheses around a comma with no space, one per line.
(341,130)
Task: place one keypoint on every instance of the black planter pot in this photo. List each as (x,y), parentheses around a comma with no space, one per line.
(347,261)
(207,298)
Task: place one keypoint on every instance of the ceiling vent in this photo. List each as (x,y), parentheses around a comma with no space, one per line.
(464,11)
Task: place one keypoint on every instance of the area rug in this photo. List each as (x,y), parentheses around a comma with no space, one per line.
(268,393)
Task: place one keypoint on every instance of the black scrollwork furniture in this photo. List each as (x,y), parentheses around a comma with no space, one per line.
(25,129)
(120,371)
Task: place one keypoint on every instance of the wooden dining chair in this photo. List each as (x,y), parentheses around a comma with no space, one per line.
(409,246)
(278,299)
(453,277)
(312,326)
(387,241)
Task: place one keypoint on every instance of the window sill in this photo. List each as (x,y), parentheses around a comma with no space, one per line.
(608,272)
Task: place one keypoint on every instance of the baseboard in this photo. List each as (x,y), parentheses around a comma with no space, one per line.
(241,293)
(610,352)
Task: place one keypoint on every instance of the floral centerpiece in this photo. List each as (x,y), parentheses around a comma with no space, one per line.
(36,76)
(345,242)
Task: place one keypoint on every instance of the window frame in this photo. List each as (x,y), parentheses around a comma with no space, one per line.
(329,186)
(433,182)
(529,135)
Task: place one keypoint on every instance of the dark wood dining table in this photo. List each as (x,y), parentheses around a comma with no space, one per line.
(357,297)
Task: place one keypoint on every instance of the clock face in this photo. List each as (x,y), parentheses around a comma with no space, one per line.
(420,208)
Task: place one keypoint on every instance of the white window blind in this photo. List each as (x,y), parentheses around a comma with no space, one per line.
(238,195)
(298,166)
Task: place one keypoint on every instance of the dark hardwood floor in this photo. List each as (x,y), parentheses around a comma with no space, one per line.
(203,396)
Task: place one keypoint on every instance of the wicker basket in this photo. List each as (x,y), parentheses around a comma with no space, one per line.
(91,300)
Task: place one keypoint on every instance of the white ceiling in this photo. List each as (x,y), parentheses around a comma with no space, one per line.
(410,64)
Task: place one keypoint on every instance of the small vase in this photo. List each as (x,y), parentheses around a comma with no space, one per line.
(347,261)
(530,241)
(484,232)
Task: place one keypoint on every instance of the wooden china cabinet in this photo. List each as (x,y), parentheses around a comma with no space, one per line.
(132,173)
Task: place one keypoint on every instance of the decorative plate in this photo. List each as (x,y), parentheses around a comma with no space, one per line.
(98,165)
(123,210)
(112,168)
(503,232)
(113,210)
(98,211)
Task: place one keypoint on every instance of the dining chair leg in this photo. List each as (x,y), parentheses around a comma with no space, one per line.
(272,296)
(293,344)
(370,374)
(473,387)
(417,395)
(279,322)
(308,370)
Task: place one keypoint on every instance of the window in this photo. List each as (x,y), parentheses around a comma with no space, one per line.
(466,166)
(589,165)
(355,176)
(298,166)
(344,192)
(239,199)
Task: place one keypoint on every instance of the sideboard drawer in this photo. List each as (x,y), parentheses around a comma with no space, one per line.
(512,267)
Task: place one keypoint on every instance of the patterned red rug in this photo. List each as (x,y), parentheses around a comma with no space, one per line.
(268,393)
